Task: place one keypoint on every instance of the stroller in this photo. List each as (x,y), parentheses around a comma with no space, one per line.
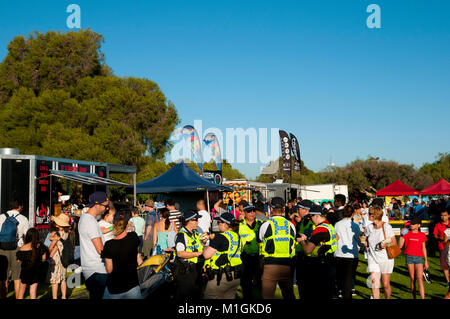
(155,276)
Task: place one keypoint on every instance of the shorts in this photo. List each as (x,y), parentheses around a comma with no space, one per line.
(443,259)
(386,267)
(147,247)
(11,270)
(413,260)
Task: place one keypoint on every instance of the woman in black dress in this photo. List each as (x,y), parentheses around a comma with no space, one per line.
(31,254)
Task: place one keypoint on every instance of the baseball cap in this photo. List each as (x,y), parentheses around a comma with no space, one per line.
(305,203)
(225,217)
(249,208)
(277,202)
(97,198)
(190,214)
(316,210)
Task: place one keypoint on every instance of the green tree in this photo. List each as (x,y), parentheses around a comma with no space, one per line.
(438,169)
(58,98)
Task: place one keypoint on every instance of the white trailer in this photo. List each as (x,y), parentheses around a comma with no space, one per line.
(322,192)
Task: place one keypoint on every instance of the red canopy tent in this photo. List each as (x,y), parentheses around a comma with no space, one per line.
(441,187)
(397,188)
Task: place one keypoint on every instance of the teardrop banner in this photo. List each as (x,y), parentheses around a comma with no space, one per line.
(196,146)
(296,151)
(212,143)
(286,151)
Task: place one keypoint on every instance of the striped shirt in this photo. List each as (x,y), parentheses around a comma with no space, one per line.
(175,216)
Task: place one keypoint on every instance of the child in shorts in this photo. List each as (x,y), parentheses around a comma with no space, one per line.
(415,250)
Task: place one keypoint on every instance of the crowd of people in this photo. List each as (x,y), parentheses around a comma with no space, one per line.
(257,246)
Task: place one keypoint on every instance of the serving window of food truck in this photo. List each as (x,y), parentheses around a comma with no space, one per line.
(39,183)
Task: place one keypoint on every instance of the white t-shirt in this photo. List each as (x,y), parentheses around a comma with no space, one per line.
(22,227)
(204,222)
(109,235)
(91,261)
(347,245)
(374,237)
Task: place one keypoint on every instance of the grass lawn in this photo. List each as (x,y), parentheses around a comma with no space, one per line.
(399,284)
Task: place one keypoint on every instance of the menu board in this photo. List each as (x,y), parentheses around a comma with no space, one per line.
(42,215)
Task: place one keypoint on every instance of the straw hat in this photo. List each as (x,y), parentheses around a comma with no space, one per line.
(61,220)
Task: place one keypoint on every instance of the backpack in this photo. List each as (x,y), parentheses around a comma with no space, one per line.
(8,233)
(67,255)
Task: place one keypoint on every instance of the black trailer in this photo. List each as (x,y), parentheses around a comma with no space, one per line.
(30,178)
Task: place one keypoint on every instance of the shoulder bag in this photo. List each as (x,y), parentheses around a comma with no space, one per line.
(392,251)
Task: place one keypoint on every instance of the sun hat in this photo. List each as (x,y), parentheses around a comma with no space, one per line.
(61,220)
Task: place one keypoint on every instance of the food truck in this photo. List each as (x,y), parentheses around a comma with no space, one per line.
(31,179)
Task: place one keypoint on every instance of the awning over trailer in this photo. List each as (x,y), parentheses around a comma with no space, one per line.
(85,178)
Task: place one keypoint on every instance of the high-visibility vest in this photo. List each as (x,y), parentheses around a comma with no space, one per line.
(193,244)
(304,229)
(233,253)
(332,242)
(248,237)
(283,238)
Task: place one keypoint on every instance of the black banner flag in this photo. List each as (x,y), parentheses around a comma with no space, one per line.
(285,151)
(296,151)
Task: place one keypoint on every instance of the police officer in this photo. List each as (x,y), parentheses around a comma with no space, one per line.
(251,270)
(278,248)
(319,261)
(304,225)
(223,259)
(188,248)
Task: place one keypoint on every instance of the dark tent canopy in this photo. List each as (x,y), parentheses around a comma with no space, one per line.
(180,178)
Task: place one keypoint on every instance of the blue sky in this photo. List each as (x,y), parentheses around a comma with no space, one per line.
(312,68)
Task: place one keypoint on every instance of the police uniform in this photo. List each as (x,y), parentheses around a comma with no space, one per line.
(187,271)
(305,226)
(251,270)
(320,262)
(278,249)
(223,269)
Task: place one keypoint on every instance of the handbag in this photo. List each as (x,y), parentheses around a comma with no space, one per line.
(392,251)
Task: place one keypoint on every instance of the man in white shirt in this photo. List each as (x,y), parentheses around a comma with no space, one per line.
(205,221)
(10,268)
(91,245)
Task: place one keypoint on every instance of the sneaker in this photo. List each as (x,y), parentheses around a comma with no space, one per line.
(426,276)
(353,292)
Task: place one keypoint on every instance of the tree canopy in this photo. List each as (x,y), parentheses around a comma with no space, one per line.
(59,98)
(365,177)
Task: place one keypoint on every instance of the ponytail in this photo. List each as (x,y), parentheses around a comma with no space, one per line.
(235,226)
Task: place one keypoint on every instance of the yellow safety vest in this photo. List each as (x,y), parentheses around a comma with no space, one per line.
(233,253)
(248,237)
(332,242)
(283,238)
(193,244)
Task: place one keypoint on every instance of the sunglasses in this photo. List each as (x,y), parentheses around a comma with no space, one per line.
(194,219)
(106,206)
